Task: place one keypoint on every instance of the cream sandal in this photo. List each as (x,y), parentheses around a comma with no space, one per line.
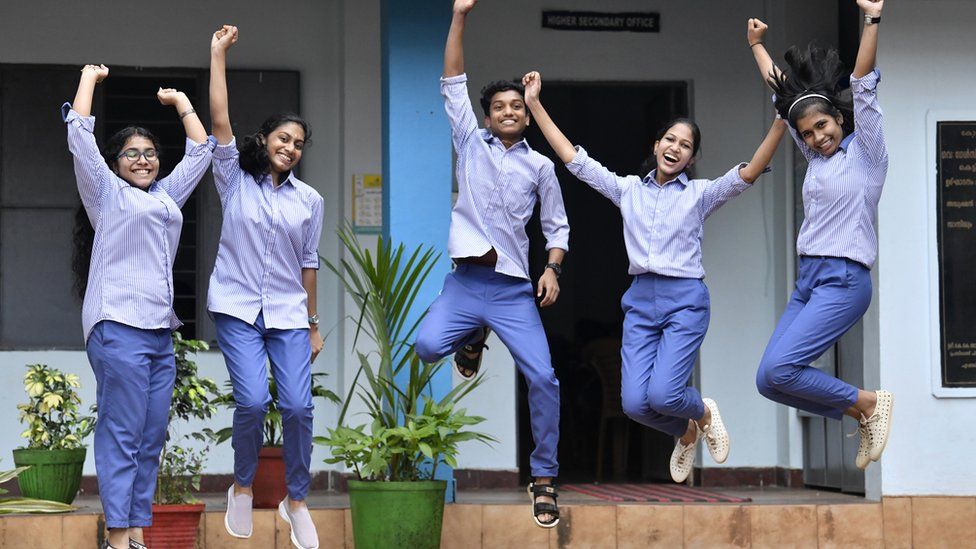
(880,423)
(683,458)
(863,458)
(715,435)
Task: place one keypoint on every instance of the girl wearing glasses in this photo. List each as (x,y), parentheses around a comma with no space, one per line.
(262,295)
(128,307)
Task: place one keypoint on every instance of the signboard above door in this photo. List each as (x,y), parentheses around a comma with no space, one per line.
(597,21)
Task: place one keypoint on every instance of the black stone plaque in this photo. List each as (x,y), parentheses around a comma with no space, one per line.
(597,21)
(956,181)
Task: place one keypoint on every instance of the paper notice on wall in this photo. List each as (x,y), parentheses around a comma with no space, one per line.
(367,203)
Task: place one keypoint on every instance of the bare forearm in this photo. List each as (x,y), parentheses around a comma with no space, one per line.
(309,279)
(765,63)
(563,147)
(867,53)
(218,97)
(764,154)
(191,122)
(556,255)
(454,51)
(82,103)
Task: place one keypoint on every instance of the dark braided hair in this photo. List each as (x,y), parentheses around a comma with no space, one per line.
(651,162)
(814,70)
(253,152)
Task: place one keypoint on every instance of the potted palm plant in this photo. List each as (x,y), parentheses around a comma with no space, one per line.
(176,512)
(55,453)
(395,500)
(269,480)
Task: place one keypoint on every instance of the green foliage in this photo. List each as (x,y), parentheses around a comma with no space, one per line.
(51,412)
(193,398)
(27,505)
(272,421)
(408,427)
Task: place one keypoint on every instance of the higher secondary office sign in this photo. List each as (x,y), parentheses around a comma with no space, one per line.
(596,21)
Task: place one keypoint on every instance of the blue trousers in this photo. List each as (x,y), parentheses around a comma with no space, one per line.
(665,320)
(134,373)
(830,297)
(247,349)
(473,297)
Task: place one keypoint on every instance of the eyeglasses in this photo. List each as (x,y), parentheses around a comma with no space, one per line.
(133,155)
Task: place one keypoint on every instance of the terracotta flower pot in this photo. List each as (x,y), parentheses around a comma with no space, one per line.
(269,480)
(174,526)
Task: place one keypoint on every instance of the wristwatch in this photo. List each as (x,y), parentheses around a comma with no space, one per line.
(314,320)
(868,20)
(556,268)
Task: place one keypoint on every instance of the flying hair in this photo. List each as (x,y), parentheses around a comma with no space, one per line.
(812,82)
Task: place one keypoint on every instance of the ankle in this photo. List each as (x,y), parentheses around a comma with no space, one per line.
(243,490)
(295,505)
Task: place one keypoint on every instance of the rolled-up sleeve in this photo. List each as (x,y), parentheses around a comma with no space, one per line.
(92,174)
(227,169)
(457,103)
(868,119)
(310,248)
(719,191)
(181,182)
(595,175)
(552,210)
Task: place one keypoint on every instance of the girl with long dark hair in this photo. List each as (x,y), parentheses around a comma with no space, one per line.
(666,309)
(128,307)
(262,295)
(844,144)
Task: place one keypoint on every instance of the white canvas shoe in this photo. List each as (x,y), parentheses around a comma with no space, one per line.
(880,423)
(863,458)
(683,458)
(303,534)
(715,435)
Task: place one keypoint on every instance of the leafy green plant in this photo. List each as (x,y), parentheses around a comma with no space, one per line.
(194,397)
(27,505)
(51,412)
(272,421)
(408,426)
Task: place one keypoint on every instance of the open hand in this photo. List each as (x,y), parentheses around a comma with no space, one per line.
(756,32)
(533,86)
(100,72)
(464,6)
(171,97)
(224,38)
(871,8)
(548,288)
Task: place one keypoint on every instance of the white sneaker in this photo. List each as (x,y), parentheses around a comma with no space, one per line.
(683,458)
(715,435)
(863,458)
(880,423)
(237,518)
(303,534)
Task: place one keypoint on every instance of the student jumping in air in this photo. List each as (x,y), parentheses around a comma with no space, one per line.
(666,309)
(262,295)
(128,308)
(500,179)
(845,147)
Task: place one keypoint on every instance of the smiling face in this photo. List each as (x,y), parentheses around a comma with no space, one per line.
(284,146)
(675,151)
(507,116)
(141,171)
(821,131)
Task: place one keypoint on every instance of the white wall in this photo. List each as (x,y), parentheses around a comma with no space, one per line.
(927,64)
(302,36)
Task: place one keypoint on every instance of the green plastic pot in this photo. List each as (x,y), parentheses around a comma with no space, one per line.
(397,514)
(54,475)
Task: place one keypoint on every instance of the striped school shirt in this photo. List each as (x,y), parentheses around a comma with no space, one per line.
(497,191)
(663,224)
(841,192)
(268,235)
(130,280)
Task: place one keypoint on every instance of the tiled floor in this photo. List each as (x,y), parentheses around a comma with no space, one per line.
(501,518)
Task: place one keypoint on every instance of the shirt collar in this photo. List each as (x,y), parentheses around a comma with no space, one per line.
(847,141)
(489,137)
(267,178)
(682,178)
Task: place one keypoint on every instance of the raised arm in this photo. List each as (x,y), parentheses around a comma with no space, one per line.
(756,35)
(454,50)
(90,75)
(221,41)
(764,154)
(868,51)
(191,122)
(533,89)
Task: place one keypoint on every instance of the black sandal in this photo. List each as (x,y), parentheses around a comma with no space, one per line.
(542,508)
(133,544)
(464,362)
